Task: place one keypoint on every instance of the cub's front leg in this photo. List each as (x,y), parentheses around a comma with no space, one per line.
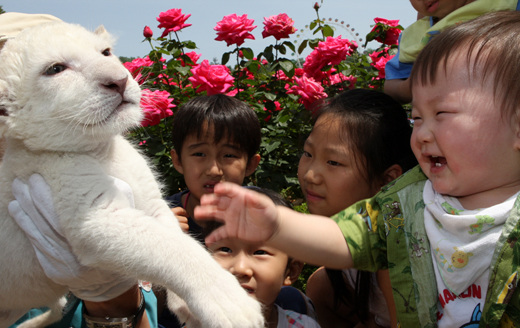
(106,232)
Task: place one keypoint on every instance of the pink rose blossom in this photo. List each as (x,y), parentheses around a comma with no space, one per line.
(193,56)
(279,26)
(379,60)
(211,78)
(172,21)
(309,91)
(147,32)
(156,106)
(234,29)
(390,33)
(136,67)
(332,51)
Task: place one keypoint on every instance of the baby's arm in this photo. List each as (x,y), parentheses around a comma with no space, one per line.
(253,217)
(399,89)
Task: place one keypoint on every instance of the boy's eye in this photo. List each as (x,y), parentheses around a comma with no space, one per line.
(260,252)
(306,154)
(199,154)
(230,156)
(224,250)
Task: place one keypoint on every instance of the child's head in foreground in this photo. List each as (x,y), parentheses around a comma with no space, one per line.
(215,138)
(359,142)
(438,9)
(466,94)
(261,270)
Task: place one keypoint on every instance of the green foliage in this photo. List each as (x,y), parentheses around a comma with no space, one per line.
(1,10)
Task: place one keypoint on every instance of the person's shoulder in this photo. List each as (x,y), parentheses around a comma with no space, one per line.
(175,200)
(412,176)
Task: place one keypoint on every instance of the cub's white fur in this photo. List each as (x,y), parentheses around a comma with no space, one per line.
(67,127)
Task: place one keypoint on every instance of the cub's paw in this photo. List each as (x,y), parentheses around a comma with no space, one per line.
(224,304)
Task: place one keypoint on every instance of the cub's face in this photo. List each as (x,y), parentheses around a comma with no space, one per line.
(61,88)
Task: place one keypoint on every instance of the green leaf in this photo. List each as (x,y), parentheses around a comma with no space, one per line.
(302,46)
(248,53)
(327,30)
(287,66)
(225,58)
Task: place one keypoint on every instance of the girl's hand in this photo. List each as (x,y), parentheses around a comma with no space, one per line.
(246,214)
(182,216)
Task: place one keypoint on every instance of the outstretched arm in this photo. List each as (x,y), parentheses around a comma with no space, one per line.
(253,217)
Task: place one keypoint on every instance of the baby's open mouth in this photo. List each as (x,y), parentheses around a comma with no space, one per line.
(438,161)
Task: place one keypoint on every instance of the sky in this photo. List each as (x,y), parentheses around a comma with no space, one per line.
(125,19)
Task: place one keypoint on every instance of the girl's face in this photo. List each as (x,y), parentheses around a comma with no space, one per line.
(329,177)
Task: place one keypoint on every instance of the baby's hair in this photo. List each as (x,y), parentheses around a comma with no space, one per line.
(376,128)
(227,116)
(491,46)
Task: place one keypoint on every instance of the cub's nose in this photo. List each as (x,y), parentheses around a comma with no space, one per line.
(118,85)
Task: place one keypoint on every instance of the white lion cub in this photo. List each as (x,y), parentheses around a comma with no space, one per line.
(65,100)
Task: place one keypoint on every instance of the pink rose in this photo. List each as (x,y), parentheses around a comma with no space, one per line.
(147,32)
(156,106)
(332,51)
(234,29)
(211,78)
(136,67)
(387,30)
(172,20)
(309,91)
(279,26)
(193,56)
(379,60)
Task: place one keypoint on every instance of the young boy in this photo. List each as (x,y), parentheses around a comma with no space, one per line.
(436,16)
(262,270)
(215,138)
(447,230)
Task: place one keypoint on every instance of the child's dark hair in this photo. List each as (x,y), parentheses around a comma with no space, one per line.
(378,132)
(227,116)
(376,129)
(490,45)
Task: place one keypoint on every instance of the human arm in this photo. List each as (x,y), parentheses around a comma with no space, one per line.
(253,217)
(399,89)
(33,210)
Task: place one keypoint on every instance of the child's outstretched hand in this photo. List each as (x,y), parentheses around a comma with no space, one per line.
(246,214)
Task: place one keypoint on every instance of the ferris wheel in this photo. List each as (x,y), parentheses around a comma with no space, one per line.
(340,27)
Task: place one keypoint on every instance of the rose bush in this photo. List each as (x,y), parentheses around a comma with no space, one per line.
(282,90)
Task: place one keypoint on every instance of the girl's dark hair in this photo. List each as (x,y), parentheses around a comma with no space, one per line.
(378,132)
(227,116)
(376,128)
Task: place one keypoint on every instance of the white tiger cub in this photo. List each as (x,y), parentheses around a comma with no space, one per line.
(65,100)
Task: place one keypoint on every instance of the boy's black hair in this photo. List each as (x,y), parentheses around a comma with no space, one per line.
(227,116)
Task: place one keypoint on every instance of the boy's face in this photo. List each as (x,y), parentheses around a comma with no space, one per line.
(329,177)
(260,270)
(205,163)
(461,140)
(437,8)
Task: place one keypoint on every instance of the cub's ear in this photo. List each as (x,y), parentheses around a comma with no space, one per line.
(102,32)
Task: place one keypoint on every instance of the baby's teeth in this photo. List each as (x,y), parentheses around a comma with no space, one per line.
(438,164)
